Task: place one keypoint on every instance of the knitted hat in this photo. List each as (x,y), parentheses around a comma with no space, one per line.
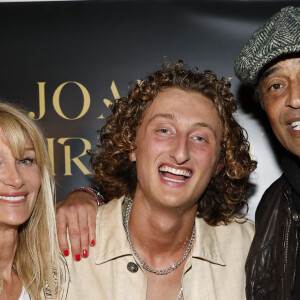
(280,35)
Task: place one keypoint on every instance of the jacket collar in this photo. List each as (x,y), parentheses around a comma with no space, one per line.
(111,238)
(291,171)
(206,243)
(112,242)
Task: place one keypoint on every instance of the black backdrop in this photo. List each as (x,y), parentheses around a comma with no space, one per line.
(65,62)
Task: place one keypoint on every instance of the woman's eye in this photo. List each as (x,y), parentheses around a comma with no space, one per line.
(26,161)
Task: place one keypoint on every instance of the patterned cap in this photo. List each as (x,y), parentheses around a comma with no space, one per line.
(280,35)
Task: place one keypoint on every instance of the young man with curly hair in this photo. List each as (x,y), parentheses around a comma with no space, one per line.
(173,164)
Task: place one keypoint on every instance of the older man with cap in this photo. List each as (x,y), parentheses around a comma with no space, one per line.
(270,62)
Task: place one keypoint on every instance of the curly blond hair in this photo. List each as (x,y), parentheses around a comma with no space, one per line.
(115,172)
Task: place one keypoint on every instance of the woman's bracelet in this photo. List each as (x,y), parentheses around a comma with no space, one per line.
(97,195)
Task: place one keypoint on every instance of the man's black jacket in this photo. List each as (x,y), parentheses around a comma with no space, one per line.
(271,263)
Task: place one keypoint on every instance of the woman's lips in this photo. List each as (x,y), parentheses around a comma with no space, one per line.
(13,198)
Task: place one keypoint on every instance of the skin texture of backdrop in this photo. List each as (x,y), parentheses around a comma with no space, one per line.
(66,61)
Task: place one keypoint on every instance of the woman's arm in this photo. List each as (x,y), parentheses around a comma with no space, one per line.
(77,213)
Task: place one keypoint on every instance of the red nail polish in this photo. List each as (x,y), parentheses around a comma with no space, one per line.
(93,243)
(66,252)
(85,253)
(77,257)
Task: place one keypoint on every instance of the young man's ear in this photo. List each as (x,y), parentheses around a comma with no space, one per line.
(132,156)
(219,167)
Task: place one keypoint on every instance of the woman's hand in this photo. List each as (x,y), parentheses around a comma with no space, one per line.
(77,212)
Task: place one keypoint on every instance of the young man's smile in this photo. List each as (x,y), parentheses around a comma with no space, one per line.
(174,174)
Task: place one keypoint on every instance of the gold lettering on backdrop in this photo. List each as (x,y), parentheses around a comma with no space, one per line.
(66,147)
(50,142)
(114,90)
(76,160)
(116,95)
(86,100)
(41,102)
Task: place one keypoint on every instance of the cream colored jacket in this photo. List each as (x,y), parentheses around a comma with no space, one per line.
(214,270)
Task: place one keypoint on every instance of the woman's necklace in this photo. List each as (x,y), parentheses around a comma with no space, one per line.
(128,206)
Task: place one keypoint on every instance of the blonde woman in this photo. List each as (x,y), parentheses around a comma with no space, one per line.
(30,263)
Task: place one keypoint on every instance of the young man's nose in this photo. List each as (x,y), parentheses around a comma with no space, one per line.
(180,149)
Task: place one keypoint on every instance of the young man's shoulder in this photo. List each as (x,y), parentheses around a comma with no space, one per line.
(239,229)
(233,239)
(239,225)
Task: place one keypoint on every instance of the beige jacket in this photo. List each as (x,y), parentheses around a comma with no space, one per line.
(214,270)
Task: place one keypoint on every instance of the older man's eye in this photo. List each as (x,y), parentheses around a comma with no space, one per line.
(275,86)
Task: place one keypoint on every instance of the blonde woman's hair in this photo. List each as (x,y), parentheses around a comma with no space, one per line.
(37,258)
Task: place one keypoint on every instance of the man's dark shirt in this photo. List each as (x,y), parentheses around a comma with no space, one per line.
(291,171)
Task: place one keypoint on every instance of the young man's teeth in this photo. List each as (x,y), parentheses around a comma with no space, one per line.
(175,171)
(171,179)
(12,198)
(296,125)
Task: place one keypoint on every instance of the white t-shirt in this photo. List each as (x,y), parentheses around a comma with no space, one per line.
(24,295)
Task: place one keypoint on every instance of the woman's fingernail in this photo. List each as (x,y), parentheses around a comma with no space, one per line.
(93,243)
(66,252)
(85,253)
(77,257)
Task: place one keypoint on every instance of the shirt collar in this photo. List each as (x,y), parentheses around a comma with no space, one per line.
(111,238)
(112,241)
(206,243)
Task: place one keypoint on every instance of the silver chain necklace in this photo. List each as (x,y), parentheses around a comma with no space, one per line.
(128,206)
(179,297)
